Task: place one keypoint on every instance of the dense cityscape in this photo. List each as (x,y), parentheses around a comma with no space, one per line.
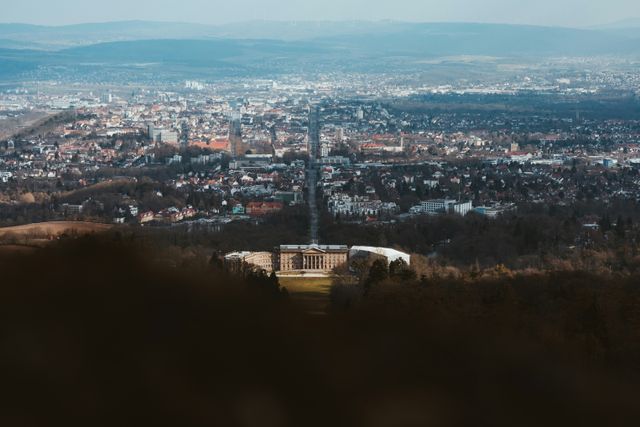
(208,154)
(362,223)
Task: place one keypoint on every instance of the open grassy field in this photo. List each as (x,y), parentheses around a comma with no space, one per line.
(320,285)
(51,229)
(312,293)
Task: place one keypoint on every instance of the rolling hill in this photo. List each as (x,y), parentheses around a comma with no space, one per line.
(191,50)
(496,38)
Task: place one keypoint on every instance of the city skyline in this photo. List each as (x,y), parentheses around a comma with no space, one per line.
(568,13)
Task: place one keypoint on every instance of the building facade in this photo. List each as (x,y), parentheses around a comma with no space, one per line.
(266,261)
(236,145)
(290,258)
(263,208)
(346,205)
(389,254)
(312,257)
(308,258)
(442,206)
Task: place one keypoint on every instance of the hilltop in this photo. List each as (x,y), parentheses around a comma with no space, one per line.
(264,49)
(433,38)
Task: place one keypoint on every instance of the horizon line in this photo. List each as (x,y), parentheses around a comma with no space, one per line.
(324,21)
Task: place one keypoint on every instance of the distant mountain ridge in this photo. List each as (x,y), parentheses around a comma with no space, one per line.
(62,37)
(267,48)
(487,39)
(624,24)
(629,28)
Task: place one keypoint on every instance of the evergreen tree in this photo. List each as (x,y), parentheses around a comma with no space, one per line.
(378,272)
(605,223)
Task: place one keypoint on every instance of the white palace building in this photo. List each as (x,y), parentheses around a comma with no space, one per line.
(312,258)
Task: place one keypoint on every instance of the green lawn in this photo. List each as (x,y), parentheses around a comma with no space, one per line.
(306,284)
(312,293)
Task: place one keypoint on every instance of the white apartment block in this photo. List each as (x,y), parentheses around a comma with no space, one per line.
(442,206)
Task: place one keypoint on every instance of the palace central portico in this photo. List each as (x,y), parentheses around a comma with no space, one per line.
(312,257)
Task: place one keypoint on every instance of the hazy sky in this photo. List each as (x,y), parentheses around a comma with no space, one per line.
(545,12)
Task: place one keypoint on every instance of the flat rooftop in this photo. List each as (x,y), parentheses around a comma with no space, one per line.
(321,247)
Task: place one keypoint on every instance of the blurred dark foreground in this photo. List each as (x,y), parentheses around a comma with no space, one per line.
(101,334)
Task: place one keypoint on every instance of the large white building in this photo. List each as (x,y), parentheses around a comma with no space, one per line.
(159,134)
(291,258)
(308,258)
(266,261)
(442,206)
(346,205)
(496,210)
(314,257)
(390,254)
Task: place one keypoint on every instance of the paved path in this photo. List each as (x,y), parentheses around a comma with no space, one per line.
(312,172)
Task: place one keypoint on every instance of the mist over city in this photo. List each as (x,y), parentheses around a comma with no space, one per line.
(357,213)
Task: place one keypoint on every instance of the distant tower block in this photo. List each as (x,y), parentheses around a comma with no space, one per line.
(313,146)
(184,135)
(236,147)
